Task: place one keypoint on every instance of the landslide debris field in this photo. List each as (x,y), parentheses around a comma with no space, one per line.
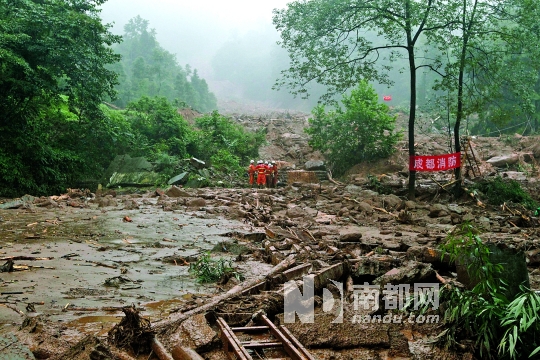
(71,264)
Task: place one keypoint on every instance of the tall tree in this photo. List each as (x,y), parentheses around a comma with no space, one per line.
(328,43)
(492,60)
(53,78)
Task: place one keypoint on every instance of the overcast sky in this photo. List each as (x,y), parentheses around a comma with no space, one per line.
(194,29)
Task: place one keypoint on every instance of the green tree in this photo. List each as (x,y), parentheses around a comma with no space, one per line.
(491,65)
(53,77)
(364,130)
(219,137)
(328,43)
(160,127)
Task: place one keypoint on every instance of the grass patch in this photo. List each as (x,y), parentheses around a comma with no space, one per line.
(208,270)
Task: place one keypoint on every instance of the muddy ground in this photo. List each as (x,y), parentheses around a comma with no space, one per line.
(81,257)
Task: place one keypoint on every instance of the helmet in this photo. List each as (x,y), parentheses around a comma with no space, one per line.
(252,161)
(259,162)
(266,162)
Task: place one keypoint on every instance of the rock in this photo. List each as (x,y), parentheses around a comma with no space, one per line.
(175,191)
(412,272)
(350,234)
(365,208)
(353,189)
(313,165)
(47,203)
(438,210)
(107,201)
(391,202)
(426,255)
(196,163)
(196,203)
(295,212)
(503,160)
(372,266)
(514,175)
(197,334)
(410,205)
(536,151)
(514,272)
(131,205)
(455,208)
(181,179)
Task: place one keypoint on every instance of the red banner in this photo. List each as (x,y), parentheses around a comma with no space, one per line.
(435,162)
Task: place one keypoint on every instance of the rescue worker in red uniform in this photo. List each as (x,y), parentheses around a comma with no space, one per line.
(251,170)
(275,174)
(261,174)
(268,172)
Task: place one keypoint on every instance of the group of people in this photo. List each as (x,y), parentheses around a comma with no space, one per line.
(264,174)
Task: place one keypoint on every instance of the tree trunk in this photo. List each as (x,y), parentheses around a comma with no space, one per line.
(458,190)
(412,107)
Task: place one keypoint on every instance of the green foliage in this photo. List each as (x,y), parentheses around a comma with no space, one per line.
(219,137)
(159,127)
(208,270)
(364,130)
(499,191)
(52,81)
(223,160)
(149,70)
(498,327)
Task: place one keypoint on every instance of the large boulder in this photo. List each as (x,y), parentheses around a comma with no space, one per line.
(503,160)
(313,165)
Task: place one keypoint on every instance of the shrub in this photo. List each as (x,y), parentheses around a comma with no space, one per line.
(364,130)
(500,327)
(499,191)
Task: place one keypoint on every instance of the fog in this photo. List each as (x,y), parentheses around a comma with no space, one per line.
(198,30)
(231,43)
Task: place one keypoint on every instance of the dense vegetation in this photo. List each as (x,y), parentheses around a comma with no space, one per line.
(498,317)
(52,81)
(146,69)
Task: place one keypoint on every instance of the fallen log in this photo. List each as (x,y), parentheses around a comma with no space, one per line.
(184,353)
(170,325)
(122,355)
(159,350)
